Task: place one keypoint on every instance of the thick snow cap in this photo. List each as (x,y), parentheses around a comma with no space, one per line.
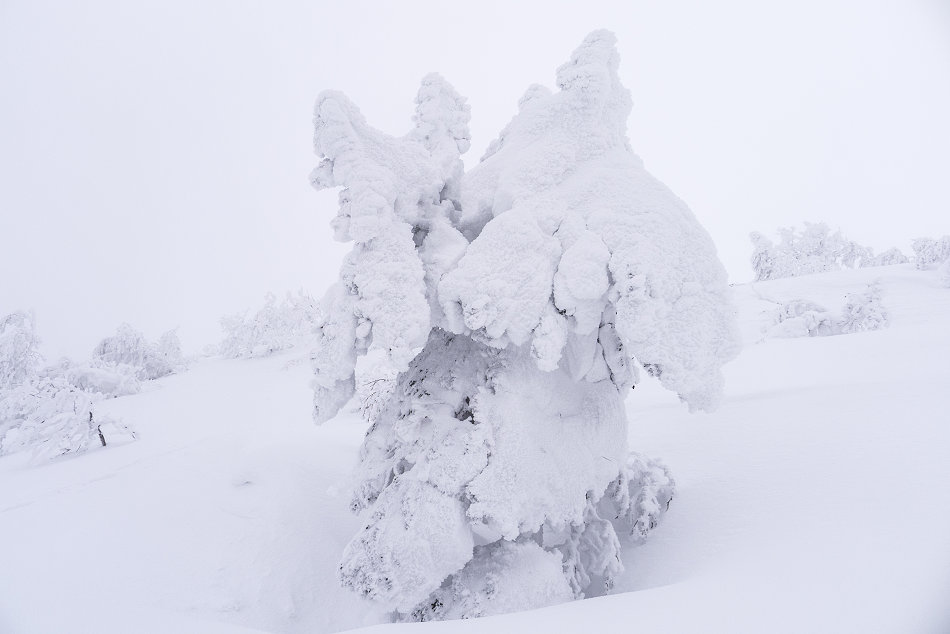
(393,189)
(558,240)
(562,195)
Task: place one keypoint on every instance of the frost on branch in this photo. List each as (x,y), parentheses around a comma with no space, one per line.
(516,304)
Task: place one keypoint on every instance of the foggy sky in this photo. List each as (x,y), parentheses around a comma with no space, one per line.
(154,155)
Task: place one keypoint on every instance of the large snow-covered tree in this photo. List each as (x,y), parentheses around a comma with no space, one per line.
(517,302)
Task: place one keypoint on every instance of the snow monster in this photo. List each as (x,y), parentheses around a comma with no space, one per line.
(518,302)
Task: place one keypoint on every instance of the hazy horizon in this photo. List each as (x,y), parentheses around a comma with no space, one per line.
(155,156)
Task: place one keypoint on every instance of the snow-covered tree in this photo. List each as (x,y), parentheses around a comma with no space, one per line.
(763,257)
(19,354)
(864,311)
(129,347)
(51,412)
(803,318)
(814,249)
(273,328)
(51,417)
(928,252)
(168,348)
(886,258)
(516,301)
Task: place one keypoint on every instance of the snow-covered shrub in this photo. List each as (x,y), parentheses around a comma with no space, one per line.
(863,311)
(886,258)
(129,347)
(19,354)
(928,251)
(803,318)
(51,411)
(814,249)
(51,417)
(96,377)
(273,328)
(763,257)
(515,301)
(168,348)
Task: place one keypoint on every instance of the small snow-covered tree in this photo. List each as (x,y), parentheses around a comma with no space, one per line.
(51,417)
(50,412)
(802,318)
(168,348)
(814,249)
(274,327)
(129,347)
(886,258)
(864,311)
(763,257)
(928,252)
(516,302)
(19,354)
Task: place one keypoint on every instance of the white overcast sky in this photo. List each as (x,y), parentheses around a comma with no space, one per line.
(154,155)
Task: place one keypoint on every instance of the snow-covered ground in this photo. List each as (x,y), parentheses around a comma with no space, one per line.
(816,499)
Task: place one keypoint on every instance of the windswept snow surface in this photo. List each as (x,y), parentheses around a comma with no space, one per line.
(816,499)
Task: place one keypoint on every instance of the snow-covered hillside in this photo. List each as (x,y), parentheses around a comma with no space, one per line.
(817,498)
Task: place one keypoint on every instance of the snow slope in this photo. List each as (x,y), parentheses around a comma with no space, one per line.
(817,498)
